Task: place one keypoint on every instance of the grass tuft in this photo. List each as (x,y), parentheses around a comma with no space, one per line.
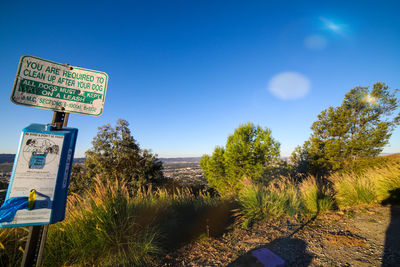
(352,189)
(378,184)
(387,182)
(102,230)
(114,227)
(315,198)
(12,244)
(258,202)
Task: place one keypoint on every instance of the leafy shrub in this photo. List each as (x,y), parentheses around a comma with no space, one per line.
(116,155)
(250,153)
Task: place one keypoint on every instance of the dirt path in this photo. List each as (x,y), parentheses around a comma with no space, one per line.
(360,237)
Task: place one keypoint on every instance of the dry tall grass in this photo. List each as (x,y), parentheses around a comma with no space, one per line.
(387,180)
(370,187)
(112,226)
(257,202)
(102,229)
(12,243)
(316,197)
(287,198)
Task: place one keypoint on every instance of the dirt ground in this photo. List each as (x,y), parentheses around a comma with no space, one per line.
(368,236)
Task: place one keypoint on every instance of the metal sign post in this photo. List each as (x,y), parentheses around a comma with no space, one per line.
(36,241)
(34,246)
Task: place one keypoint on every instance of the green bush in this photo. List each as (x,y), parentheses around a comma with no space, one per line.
(250,153)
(116,155)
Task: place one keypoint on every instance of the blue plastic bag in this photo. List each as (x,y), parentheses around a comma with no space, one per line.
(11,206)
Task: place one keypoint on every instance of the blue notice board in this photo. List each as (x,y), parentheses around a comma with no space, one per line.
(43,163)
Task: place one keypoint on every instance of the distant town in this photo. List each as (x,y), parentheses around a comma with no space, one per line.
(184,171)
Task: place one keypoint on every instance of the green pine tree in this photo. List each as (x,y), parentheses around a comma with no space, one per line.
(250,153)
(359,128)
(116,155)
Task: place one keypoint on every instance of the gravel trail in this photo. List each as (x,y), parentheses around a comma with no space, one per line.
(368,236)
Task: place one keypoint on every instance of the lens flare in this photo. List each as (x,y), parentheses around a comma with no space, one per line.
(369,99)
(289,85)
(330,25)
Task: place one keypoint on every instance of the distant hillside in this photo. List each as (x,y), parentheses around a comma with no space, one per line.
(7,158)
(393,156)
(189,159)
(166,160)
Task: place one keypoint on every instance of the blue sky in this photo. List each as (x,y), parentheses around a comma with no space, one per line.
(185,74)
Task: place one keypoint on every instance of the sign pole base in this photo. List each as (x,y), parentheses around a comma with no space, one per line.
(33,252)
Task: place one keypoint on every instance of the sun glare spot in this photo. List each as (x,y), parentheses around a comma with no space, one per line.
(331,25)
(370,99)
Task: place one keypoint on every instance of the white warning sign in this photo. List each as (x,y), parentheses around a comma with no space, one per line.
(37,168)
(50,85)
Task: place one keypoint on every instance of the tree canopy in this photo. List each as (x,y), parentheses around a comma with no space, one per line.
(359,128)
(115,154)
(249,153)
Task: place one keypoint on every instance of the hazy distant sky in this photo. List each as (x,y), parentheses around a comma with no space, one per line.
(185,74)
